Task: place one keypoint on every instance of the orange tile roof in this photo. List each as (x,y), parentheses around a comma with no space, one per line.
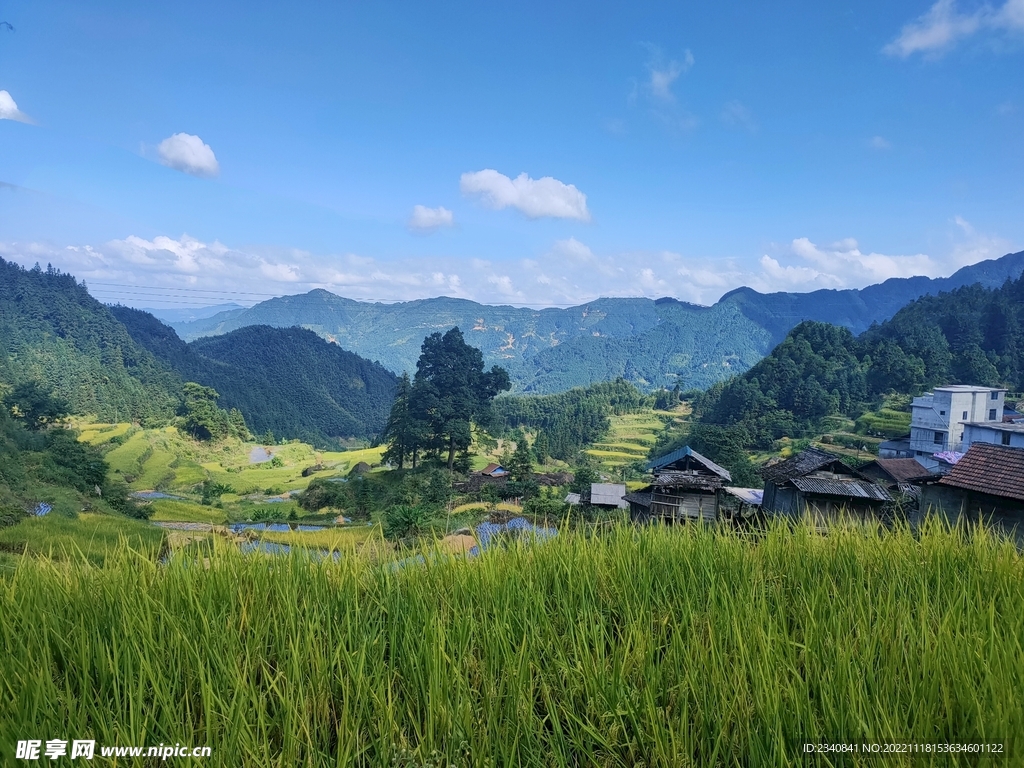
(993,469)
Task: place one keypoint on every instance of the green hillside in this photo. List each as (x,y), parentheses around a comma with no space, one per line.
(53,332)
(287,381)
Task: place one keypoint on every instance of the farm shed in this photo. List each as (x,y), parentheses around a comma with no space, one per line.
(819,482)
(605,495)
(987,482)
(684,486)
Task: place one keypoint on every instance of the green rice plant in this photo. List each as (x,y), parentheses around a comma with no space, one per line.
(125,458)
(174,510)
(91,537)
(654,646)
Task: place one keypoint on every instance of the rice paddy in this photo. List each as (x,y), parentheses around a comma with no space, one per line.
(631,436)
(684,646)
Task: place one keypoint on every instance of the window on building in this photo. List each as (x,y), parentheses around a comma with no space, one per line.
(938,438)
(991,414)
(965,415)
(995,395)
(919,453)
(942,413)
(1006,438)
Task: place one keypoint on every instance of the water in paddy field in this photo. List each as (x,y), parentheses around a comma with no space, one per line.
(155,495)
(276,527)
(259,454)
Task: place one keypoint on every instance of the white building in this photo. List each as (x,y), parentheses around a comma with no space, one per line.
(999,433)
(938,418)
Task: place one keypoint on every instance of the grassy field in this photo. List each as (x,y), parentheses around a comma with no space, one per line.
(582,651)
(88,536)
(340,539)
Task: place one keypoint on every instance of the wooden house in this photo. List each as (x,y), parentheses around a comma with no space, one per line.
(818,482)
(987,482)
(684,486)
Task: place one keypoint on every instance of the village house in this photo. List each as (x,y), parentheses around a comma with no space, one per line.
(819,483)
(685,486)
(995,433)
(902,475)
(987,482)
(937,418)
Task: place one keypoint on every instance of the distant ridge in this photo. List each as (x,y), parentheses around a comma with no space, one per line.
(857,309)
(652,343)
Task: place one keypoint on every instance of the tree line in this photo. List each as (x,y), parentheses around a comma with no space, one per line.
(435,411)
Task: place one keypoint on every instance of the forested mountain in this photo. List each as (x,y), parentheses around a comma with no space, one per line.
(121,364)
(569,421)
(650,343)
(53,332)
(972,335)
(287,381)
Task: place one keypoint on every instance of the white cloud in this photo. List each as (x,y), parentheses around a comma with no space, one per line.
(664,75)
(428,220)
(846,265)
(187,153)
(573,249)
(9,110)
(536,198)
(735,114)
(879,142)
(942,26)
(568,272)
(975,246)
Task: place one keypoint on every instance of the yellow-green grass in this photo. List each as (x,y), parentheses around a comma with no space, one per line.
(173,510)
(579,651)
(96,433)
(504,506)
(90,536)
(336,539)
(125,458)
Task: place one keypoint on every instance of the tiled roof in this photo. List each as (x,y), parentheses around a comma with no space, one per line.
(670,479)
(992,469)
(638,497)
(861,489)
(803,463)
(900,470)
(682,453)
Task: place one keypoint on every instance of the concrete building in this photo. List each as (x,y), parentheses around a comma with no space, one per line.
(999,433)
(938,418)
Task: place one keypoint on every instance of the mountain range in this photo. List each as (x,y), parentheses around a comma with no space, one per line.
(649,342)
(122,364)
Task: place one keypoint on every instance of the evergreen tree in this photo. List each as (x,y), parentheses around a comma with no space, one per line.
(400,432)
(203,419)
(520,465)
(541,447)
(451,390)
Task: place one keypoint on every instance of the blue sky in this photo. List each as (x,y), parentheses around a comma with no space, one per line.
(526,153)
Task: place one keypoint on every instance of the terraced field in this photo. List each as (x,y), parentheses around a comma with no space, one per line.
(631,437)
